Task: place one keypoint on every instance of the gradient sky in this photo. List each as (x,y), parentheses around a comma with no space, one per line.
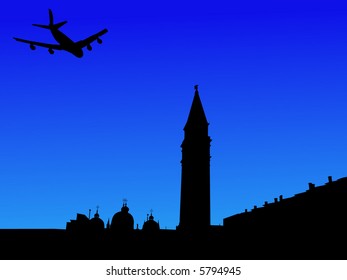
(77,133)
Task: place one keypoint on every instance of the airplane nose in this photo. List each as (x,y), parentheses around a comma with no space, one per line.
(79,54)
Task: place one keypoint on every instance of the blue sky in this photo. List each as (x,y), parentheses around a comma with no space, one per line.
(77,133)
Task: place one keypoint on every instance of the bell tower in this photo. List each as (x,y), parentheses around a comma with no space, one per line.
(195,176)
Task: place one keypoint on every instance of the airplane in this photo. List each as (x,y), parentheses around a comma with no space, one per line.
(65,43)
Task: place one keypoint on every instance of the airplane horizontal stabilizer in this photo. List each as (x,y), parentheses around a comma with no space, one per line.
(54,26)
(42,26)
(60,24)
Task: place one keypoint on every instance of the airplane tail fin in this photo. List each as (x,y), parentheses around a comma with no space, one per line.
(50,17)
(51,25)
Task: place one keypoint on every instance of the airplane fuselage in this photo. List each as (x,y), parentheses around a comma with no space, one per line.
(66,43)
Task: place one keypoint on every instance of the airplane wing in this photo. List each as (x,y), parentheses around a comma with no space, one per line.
(45,45)
(90,39)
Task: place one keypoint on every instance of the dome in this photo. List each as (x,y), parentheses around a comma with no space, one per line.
(150,225)
(96,222)
(123,220)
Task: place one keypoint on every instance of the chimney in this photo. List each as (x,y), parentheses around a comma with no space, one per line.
(281,197)
(330,179)
(265,203)
(311,186)
(276,200)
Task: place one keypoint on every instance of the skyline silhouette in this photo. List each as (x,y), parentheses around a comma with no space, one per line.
(309,225)
(74,132)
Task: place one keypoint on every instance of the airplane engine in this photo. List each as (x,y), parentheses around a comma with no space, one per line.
(99,40)
(32,47)
(51,51)
(89,47)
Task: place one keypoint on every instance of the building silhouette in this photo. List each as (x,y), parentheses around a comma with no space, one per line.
(195,177)
(309,225)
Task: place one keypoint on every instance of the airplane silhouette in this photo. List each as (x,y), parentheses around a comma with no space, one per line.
(65,43)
